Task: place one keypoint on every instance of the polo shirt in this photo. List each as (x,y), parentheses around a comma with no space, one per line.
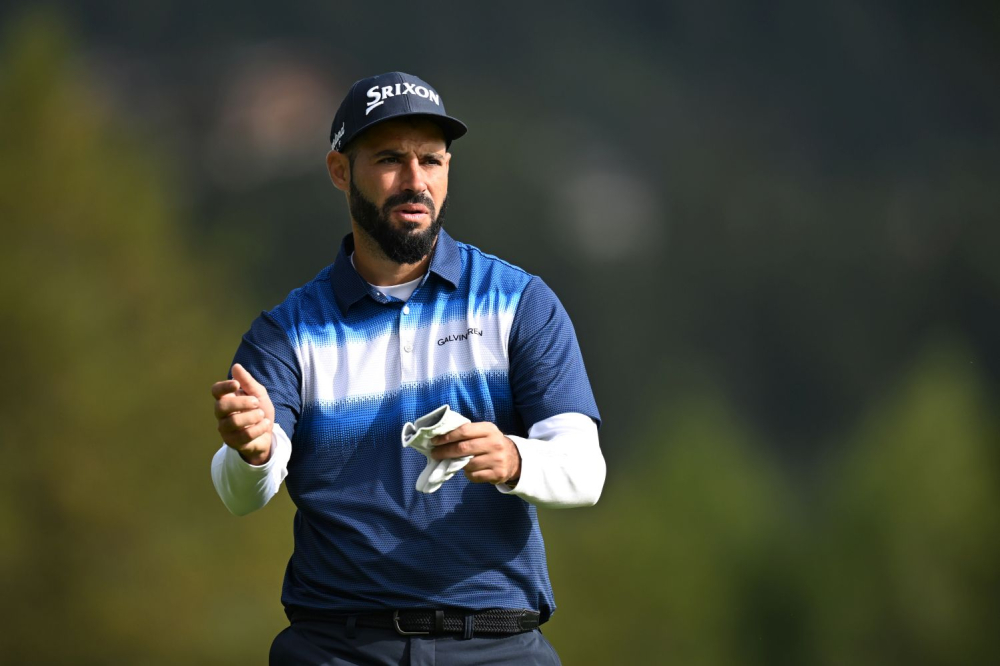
(346,366)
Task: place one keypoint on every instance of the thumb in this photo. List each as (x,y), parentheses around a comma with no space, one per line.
(249,385)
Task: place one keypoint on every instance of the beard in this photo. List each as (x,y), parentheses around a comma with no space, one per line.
(405,245)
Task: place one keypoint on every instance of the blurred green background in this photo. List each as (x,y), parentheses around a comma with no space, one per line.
(775,227)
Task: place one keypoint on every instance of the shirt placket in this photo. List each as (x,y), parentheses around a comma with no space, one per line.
(407,328)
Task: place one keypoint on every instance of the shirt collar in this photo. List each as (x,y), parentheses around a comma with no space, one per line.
(447,260)
(349,287)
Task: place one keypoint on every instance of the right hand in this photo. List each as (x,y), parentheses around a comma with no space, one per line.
(246,415)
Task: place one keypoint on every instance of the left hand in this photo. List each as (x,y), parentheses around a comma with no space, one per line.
(495,459)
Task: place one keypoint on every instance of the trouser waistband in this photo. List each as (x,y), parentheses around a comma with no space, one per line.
(422,622)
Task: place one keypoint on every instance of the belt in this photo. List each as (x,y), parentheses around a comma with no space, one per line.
(421,622)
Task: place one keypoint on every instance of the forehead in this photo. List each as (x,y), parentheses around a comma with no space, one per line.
(412,133)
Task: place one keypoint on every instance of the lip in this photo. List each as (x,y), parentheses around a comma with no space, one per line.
(415,213)
(411,209)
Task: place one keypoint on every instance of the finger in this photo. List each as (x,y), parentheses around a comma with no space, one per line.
(220,389)
(485,461)
(492,467)
(231,403)
(456,435)
(466,447)
(467,431)
(243,436)
(240,420)
(488,475)
(255,447)
(250,385)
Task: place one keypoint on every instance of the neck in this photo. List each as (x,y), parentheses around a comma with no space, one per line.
(377,269)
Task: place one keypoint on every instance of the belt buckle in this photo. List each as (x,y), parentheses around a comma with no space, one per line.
(527,620)
(399,630)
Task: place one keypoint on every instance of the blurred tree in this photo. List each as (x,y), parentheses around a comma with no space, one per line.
(699,553)
(116,550)
(905,568)
(111,337)
(685,558)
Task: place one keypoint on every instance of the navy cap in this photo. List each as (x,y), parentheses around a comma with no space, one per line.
(392,95)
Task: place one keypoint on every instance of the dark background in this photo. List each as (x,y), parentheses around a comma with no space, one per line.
(774,226)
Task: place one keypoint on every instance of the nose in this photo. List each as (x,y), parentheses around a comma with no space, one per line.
(412,176)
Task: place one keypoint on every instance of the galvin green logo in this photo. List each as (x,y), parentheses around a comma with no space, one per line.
(460,336)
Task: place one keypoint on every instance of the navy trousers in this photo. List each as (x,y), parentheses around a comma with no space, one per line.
(317,643)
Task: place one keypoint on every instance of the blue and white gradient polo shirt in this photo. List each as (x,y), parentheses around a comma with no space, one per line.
(346,367)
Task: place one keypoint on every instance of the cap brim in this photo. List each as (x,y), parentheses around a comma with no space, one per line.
(453,128)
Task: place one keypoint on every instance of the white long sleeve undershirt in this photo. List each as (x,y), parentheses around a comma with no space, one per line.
(561,467)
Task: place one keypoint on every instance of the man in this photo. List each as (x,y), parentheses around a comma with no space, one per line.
(407,320)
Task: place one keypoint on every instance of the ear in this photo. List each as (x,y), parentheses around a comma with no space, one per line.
(340,170)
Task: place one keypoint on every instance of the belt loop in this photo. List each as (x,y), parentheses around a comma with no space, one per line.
(467,629)
(439,621)
(352,626)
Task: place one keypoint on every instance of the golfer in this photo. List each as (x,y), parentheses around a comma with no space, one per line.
(419,399)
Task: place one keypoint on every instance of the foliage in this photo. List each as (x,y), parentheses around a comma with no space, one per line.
(704,550)
(112,337)
(673,559)
(906,565)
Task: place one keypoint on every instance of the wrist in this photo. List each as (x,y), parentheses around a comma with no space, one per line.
(256,458)
(515,474)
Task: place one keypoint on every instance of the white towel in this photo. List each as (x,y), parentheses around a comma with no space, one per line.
(418,435)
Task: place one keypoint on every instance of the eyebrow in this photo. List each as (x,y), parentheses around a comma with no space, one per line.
(398,153)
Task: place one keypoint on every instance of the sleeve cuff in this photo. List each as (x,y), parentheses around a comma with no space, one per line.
(561,463)
(529,469)
(243,487)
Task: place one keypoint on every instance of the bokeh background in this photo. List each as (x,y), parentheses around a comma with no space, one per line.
(775,226)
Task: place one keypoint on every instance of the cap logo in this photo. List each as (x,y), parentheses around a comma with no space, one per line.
(378,94)
(338,136)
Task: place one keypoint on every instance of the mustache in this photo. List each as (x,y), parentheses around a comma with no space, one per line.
(421,198)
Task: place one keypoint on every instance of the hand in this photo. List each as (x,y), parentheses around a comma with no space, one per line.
(245,414)
(495,459)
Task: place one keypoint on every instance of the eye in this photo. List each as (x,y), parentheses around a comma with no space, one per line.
(433,160)
(388,160)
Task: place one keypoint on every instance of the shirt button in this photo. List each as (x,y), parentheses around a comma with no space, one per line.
(408,349)
(406,309)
